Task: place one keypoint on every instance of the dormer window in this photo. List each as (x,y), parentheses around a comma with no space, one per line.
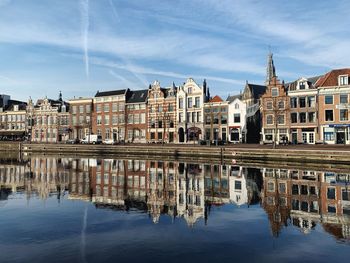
(189,90)
(343,80)
(15,107)
(302,85)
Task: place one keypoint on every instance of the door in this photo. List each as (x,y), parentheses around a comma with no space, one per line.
(181,135)
(294,138)
(340,137)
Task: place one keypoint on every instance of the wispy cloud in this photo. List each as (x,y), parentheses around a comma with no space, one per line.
(153,72)
(126,82)
(85,32)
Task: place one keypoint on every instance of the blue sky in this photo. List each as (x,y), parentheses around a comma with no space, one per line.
(81,46)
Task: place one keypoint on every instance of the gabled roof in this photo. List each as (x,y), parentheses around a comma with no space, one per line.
(257,90)
(137,96)
(233,97)
(331,78)
(216,99)
(110,93)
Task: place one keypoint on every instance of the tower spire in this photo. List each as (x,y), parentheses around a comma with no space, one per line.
(270,70)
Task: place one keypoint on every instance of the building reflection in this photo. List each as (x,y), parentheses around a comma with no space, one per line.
(190,191)
(306,198)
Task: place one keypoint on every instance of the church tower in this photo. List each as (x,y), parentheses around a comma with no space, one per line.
(270,70)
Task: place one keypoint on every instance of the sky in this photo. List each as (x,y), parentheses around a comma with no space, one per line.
(83,46)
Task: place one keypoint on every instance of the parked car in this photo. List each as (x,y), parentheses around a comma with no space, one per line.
(73,141)
(92,138)
(109,141)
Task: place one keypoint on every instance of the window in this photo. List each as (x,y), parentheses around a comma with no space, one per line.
(311,101)
(236,106)
(274,92)
(281,104)
(346,194)
(160,136)
(88,108)
(282,188)
(170,107)
(343,98)
(236,117)
(114,107)
(293,102)
(269,119)
(115,119)
(106,108)
(331,193)
(224,119)
(121,106)
(343,80)
(312,117)
(302,85)
(329,115)
(75,109)
(160,124)
(98,108)
(238,185)
(197,102)
(193,117)
(302,117)
(344,115)
(189,102)
(269,105)
(280,119)
(189,90)
(328,99)
(99,119)
(180,117)
(181,103)
(302,102)
(199,115)
(294,117)
(81,108)
(106,119)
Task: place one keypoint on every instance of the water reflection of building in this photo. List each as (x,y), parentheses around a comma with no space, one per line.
(306,198)
(39,176)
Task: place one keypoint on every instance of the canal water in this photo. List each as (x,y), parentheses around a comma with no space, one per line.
(55,209)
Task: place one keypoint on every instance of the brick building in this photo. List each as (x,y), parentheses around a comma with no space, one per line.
(108,118)
(333,107)
(162,114)
(136,116)
(80,117)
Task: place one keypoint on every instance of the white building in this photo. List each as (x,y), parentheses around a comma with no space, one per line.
(190,99)
(237,111)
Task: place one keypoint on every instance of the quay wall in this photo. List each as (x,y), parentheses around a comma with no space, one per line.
(331,156)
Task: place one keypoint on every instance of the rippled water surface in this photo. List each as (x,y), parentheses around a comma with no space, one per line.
(118,210)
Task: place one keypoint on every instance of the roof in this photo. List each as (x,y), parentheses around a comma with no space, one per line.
(216,99)
(311,81)
(110,93)
(331,78)
(137,96)
(11,103)
(233,97)
(257,90)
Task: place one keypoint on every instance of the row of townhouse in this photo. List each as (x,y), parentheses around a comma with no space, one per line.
(308,110)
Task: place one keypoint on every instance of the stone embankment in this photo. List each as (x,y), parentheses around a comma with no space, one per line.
(314,154)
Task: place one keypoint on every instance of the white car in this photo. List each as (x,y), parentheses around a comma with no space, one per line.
(108,141)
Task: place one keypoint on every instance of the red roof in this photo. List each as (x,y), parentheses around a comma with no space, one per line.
(331,78)
(216,99)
